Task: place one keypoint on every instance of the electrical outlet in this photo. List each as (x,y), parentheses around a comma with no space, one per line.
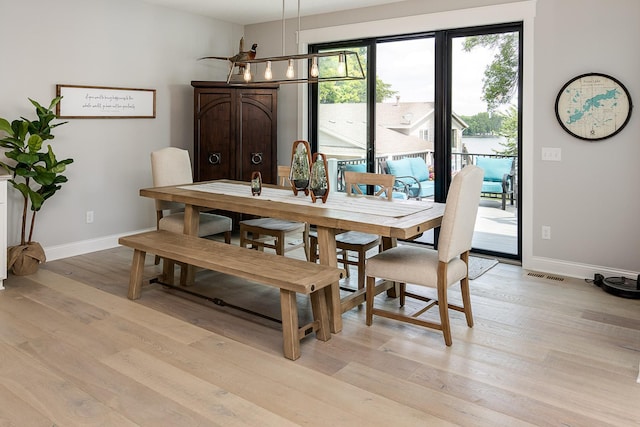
(546,232)
(551,154)
(89,217)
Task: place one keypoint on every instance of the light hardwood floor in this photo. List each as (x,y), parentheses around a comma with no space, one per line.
(74,351)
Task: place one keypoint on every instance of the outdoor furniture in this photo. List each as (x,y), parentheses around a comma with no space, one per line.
(412,176)
(427,267)
(498,177)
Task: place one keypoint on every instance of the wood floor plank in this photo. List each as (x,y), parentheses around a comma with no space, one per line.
(218,405)
(443,405)
(51,395)
(75,351)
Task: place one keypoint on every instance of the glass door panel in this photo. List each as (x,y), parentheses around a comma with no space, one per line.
(484,131)
(342,119)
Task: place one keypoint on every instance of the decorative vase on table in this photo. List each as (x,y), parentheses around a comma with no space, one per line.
(256,183)
(318,183)
(300,167)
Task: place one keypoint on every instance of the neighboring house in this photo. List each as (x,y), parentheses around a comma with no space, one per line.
(401,128)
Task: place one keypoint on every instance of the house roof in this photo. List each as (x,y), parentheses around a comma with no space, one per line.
(345,130)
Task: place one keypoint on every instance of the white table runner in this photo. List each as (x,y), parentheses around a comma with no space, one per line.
(339,201)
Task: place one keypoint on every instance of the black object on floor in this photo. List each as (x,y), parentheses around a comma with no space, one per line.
(619,286)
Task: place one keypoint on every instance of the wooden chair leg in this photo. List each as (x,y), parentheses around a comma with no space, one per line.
(227,237)
(280,243)
(361,267)
(370,282)
(443,306)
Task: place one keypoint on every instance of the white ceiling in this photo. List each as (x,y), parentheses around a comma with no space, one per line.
(247,12)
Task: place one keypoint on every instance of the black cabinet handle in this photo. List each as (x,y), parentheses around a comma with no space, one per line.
(256,158)
(215,158)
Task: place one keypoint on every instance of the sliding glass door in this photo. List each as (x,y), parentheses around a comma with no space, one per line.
(444,100)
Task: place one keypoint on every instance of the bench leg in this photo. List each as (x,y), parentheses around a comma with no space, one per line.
(320,310)
(289,308)
(135,279)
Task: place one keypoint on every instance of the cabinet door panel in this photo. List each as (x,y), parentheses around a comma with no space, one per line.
(215,155)
(258,135)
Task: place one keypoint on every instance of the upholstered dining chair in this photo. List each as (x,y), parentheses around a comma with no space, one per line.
(172,166)
(260,233)
(439,268)
(356,241)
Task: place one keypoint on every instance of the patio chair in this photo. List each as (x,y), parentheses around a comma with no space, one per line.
(439,269)
(412,176)
(498,177)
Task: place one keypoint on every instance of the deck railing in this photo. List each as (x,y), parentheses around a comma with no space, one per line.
(458,161)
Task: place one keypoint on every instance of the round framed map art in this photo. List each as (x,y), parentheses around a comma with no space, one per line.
(593,106)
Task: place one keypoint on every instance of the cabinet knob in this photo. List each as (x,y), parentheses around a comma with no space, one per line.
(256,158)
(215,158)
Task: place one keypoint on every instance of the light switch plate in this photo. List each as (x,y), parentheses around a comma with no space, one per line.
(552,154)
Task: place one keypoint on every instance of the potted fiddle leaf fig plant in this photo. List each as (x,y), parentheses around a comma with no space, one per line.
(36,174)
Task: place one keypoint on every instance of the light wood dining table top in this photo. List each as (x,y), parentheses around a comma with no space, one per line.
(402,219)
(391,219)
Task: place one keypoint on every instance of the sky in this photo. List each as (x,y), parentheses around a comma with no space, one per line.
(413,80)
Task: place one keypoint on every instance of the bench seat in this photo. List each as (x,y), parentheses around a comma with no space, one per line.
(291,276)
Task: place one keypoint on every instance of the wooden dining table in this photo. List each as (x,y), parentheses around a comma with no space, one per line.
(391,219)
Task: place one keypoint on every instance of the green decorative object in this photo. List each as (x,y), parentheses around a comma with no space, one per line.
(37,175)
(256,183)
(318,183)
(300,166)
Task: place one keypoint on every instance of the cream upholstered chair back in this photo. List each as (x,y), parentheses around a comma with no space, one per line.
(458,222)
(170,166)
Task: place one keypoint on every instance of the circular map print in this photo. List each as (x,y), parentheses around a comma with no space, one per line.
(593,106)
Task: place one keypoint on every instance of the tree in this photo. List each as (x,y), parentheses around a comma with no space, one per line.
(509,130)
(500,81)
(482,124)
(350,91)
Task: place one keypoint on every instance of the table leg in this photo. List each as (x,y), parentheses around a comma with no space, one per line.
(388,243)
(191,225)
(329,256)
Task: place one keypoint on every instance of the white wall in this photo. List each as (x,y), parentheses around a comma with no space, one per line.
(590,199)
(120,43)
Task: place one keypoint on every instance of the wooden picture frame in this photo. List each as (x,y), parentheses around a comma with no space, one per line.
(100,102)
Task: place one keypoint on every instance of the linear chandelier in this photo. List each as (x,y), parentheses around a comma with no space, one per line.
(337,65)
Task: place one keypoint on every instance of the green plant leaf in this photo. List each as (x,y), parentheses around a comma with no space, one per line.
(6,126)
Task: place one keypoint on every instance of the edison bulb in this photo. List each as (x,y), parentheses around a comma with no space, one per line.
(290,73)
(314,68)
(268,74)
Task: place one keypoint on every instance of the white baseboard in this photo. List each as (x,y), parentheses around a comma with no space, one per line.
(539,264)
(86,246)
(569,269)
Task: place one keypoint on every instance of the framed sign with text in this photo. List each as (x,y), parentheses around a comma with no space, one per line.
(97,102)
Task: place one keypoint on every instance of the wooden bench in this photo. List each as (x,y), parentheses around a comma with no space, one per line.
(291,276)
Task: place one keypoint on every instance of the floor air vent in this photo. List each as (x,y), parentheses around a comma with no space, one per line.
(544,276)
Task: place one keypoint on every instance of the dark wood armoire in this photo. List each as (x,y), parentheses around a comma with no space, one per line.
(235,131)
